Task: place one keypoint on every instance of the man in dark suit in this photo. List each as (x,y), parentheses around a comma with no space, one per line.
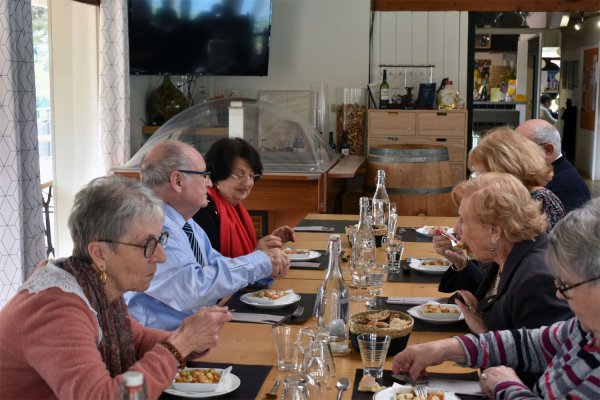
(567,184)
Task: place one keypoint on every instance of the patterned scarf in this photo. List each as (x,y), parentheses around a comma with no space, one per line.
(117,347)
(237,234)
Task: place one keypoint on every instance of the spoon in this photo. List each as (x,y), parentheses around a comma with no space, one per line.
(273,393)
(342,384)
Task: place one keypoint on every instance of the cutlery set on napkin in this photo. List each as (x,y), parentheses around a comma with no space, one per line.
(257,318)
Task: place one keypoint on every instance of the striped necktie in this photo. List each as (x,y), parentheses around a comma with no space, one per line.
(187,228)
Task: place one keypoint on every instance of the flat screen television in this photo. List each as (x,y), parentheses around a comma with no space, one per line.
(199,37)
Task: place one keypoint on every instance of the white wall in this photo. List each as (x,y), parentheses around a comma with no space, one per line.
(311,41)
(588,143)
(423,38)
(73,33)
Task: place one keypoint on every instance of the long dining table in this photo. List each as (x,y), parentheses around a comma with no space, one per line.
(252,343)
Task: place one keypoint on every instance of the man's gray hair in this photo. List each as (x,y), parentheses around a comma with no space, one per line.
(573,243)
(547,134)
(156,170)
(106,208)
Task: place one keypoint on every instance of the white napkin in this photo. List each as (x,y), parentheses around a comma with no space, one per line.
(314,228)
(411,300)
(257,318)
(456,386)
(305,264)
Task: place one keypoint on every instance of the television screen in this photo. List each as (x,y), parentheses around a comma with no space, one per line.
(199,37)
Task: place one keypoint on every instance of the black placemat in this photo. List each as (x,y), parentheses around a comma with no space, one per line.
(338,226)
(307,300)
(252,378)
(407,274)
(458,327)
(388,381)
(411,235)
(323,260)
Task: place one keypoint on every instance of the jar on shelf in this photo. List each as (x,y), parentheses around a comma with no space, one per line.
(351,117)
(166,102)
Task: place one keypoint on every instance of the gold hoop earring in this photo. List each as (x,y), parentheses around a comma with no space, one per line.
(102,277)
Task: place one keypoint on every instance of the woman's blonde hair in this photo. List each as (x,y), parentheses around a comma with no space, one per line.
(500,199)
(504,150)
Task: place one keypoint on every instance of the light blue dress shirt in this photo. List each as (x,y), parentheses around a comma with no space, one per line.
(181,286)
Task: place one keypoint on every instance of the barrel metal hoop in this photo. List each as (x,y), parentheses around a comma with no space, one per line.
(415,191)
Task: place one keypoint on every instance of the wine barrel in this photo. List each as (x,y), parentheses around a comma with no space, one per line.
(419,178)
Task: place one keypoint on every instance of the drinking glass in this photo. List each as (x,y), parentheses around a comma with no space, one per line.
(376,278)
(394,249)
(373,350)
(360,270)
(294,388)
(286,344)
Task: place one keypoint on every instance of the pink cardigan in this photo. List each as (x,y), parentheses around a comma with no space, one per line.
(48,349)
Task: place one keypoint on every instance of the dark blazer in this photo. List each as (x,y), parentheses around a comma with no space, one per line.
(526,293)
(568,185)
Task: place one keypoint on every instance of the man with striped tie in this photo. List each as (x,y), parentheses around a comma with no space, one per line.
(194,274)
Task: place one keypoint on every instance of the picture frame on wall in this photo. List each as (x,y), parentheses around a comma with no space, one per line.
(483,41)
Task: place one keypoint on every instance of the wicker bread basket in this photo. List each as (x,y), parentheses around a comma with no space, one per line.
(358,325)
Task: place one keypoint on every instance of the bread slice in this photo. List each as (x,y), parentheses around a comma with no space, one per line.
(368,384)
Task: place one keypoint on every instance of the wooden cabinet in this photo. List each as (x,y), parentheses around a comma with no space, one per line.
(439,127)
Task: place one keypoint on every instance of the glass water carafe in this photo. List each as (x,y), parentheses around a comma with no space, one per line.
(381,201)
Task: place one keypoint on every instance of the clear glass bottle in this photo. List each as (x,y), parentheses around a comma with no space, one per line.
(381,201)
(332,307)
(363,250)
(132,387)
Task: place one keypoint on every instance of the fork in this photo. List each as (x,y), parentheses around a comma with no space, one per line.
(297,312)
(420,391)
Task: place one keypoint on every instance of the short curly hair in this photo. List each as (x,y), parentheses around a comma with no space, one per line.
(504,150)
(497,198)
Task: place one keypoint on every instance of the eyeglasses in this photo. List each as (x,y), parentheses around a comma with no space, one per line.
(563,289)
(253,177)
(206,174)
(149,246)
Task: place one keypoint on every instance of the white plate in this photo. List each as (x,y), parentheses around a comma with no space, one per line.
(304,257)
(232,382)
(417,265)
(390,393)
(285,301)
(418,313)
(425,230)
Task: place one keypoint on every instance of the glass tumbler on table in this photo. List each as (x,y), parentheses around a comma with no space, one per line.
(376,278)
(373,350)
(394,249)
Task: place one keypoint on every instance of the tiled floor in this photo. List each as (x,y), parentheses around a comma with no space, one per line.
(594,187)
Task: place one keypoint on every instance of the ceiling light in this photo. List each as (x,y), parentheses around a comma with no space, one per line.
(577,26)
(564,21)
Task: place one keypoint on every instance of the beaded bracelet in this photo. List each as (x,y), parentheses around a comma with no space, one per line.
(169,346)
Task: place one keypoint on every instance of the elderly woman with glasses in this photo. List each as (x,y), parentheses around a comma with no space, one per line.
(67,334)
(235,167)
(567,353)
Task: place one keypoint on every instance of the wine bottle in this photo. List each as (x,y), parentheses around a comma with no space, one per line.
(345,144)
(331,141)
(384,92)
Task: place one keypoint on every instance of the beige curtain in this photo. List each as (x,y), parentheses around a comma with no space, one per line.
(114,83)
(21,224)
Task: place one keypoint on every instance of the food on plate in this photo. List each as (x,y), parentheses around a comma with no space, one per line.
(440,308)
(431,395)
(429,228)
(368,384)
(271,294)
(198,375)
(435,262)
(289,250)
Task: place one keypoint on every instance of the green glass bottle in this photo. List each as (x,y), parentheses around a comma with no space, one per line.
(384,92)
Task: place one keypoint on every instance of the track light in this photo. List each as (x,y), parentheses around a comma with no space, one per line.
(577,26)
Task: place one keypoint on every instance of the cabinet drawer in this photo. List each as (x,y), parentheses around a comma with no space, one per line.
(456,146)
(442,123)
(392,123)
